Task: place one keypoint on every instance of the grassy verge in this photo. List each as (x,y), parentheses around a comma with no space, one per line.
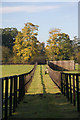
(49,85)
(77,67)
(9,70)
(75,71)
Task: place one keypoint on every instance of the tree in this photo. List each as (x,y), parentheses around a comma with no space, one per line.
(8,37)
(65,47)
(52,48)
(59,46)
(75,48)
(78,57)
(5,54)
(26,43)
(40,58)
(0,54)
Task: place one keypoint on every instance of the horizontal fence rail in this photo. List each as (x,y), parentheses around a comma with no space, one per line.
(70,87)
(13,91)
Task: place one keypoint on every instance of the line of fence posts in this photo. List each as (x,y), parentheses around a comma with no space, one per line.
(12,91)
(70,87)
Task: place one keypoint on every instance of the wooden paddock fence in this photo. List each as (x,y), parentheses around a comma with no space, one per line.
(69,84)
(70,87)
(12,91)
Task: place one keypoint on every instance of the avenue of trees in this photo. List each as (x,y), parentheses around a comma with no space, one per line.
(24,47)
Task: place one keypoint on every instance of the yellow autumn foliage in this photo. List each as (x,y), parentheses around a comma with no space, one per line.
(26,42)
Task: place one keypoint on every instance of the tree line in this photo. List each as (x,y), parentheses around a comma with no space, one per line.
(24,47)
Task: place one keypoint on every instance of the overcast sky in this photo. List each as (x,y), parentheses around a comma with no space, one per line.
(48,15)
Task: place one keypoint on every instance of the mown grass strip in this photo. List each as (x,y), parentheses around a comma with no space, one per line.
(49,84)
(42,82)
(36,86)
(9,70)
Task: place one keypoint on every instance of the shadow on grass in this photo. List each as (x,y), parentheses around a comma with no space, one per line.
(45,106)
(42,82)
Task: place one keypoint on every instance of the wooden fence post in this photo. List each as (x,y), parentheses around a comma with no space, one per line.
(0,99)
(20,88)
(67,88)
(6,98)
(11,87)
(70,88)
(77,85)
(73,90)
(61,83)
(23,88)
(15,93)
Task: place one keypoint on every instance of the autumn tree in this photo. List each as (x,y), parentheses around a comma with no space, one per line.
(52,48)
(26,43)
(59,46)
(65,47)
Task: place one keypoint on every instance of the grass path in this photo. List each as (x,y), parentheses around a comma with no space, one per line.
(49,85)
(36,87)
(44,100)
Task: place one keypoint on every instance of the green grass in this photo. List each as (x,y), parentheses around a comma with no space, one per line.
(48,106)
(36,86)
(40,104)
(49,85)
(71,71)
(77,67)
(9,70)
